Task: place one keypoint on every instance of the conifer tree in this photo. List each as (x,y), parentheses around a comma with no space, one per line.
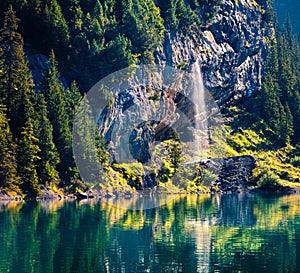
(17,91)
(48,154)
(287,127)
(3,79)
(99,14)
(185,15)
(27,156)
(73,98)
(18,96)
(56,104)
(85,143)
(294,105)
(57,28)
(8,166)
(117,54)
(208,8)
(271,103)
(168,12)
(288,75)
(142,24)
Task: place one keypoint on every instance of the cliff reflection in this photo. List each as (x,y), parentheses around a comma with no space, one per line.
(205,233)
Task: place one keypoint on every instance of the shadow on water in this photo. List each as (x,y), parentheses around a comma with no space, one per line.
(194,233)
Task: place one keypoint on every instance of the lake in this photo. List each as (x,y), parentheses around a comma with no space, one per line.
(194,233)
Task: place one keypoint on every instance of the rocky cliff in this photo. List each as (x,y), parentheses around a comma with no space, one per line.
(231,49)
(149,109)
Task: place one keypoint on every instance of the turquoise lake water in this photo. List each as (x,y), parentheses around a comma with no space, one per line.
(205,233)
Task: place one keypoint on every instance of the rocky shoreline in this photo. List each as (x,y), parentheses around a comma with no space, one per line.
(4,197)
(234,177)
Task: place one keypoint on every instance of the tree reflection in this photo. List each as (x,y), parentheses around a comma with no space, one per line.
(205,233)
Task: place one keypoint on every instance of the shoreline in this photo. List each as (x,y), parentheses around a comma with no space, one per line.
(94,195)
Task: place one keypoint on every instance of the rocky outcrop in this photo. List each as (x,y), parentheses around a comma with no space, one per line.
(235,174)
(231,50)
(47,194)
(5,196)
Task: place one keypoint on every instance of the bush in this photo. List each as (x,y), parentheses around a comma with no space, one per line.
(269,181)
(208,178)
(296,161)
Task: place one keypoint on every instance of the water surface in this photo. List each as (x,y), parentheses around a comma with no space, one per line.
(206,233)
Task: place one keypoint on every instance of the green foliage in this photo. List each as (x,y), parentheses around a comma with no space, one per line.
(27,157)
(84,141)
(18,97)
(73,99)
(202,181)
(269,181)
(208,8)
(177,14)
(207,178)
(132,173)
(48,154)
(55,96)
(166,173)
(279,100)
(16,81)
(8,167)
(249,134)
(94,38)
(295,161)
(117,54)
(142,24)
(57,26)
(174,152)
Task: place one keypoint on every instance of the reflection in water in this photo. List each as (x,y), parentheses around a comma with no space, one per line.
(206,233)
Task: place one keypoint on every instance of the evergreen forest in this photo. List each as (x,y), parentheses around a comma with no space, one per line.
(85,40)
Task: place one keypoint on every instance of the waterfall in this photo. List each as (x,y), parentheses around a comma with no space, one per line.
(200,121)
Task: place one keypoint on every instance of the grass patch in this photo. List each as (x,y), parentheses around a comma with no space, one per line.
(247,134)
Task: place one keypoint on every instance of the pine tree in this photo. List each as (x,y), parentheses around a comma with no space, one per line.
(3,79)
(16,81)
(55,96)
(78,35)
(84,143)
(8,166)
(142,24)
(57,27)
(48,154)
(185,15)
(208,8)
(287,127)
(175,151)
(271,103)
(117,55)
(99,14)
(18,96)
(294,105)
(168,12)
(73,98)
(285,74)
(289,76)
(27,156)
(150,29)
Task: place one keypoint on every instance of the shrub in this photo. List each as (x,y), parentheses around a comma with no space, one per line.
(269,181)
(296,161)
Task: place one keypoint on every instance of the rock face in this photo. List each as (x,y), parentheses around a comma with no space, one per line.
(235,174)
(231,50)
(47,194)
(4,196)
